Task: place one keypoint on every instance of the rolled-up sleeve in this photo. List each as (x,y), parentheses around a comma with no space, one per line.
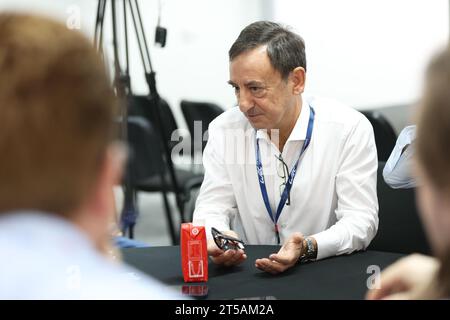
(216,201)
(356,189)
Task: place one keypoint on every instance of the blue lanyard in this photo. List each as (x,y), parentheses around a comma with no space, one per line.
(288,186)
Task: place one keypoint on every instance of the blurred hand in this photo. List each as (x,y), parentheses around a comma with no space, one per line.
(226,258)
(286,257)
(406,278)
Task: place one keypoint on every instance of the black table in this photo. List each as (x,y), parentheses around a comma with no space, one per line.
(343,277)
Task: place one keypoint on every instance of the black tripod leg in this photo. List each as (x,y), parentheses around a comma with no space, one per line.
(173,234)
(129,211)
(131,231)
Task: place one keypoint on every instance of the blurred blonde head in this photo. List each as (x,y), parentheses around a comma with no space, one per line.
(433,165)
(56,112)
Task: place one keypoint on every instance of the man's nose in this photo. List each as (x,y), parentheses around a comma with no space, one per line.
(245,101)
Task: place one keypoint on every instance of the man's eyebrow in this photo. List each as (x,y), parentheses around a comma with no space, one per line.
(254,83)
(248,83)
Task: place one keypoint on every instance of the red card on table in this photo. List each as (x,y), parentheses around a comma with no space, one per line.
(194,255)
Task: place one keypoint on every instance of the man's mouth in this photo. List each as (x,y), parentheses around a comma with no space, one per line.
(253,115)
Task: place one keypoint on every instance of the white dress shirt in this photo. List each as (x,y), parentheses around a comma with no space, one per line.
(397,171)
(46,257)
(333,197)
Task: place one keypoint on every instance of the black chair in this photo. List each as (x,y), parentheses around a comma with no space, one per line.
(400,228)
(185,180)
(141,106)
(385,136)
(143,163)
(204,112)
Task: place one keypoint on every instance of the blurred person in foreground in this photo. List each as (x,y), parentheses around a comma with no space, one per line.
(418,276)
(58,166)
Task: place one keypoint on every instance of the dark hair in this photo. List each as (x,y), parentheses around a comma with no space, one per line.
(286,50)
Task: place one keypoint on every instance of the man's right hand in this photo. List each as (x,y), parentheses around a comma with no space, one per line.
(227,258)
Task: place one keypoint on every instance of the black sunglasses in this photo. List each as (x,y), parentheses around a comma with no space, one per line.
(225,242)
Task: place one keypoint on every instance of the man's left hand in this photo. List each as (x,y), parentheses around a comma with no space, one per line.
(286,257)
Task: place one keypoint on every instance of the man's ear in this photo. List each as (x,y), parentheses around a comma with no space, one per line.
(298,78)
(110,175)
(117,156)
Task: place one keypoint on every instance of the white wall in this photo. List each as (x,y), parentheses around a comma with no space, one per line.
(367,53)
(194,63)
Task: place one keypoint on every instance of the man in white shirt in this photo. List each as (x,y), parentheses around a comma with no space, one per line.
(277,139)
(59,165)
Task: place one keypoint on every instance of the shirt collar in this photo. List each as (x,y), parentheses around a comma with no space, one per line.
(300,128)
